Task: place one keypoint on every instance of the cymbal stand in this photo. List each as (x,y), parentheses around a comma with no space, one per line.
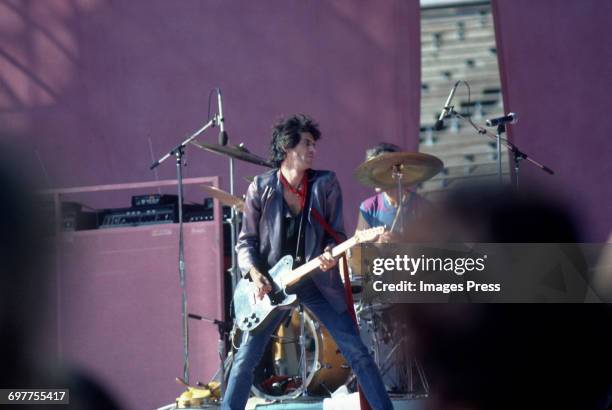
(233,221)
(233,271)
(178,152)
(398,175)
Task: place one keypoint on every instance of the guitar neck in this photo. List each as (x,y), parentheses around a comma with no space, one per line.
(295,275)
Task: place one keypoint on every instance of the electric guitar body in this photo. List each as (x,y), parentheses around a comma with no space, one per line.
(251,311)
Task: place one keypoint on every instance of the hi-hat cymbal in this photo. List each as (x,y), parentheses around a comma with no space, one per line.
(224,197)
(414,167)
(234,151)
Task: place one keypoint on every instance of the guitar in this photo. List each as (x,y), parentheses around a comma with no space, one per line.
(251,311)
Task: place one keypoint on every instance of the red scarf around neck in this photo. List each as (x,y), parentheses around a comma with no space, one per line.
(303,187)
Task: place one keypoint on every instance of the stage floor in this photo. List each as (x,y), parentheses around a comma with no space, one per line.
(348,402)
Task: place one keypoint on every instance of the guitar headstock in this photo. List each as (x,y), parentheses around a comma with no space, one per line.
(369,235)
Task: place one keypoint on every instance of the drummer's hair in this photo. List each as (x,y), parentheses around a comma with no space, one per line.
(287,133)
(381,149)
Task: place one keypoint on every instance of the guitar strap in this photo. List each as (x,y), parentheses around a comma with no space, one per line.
(304,194)
(348,291)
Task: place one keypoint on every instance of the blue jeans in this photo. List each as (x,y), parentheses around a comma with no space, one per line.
(342,329)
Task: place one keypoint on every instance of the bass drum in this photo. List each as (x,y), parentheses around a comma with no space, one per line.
(278,375)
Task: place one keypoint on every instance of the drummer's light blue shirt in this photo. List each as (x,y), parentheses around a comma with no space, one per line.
(378,211)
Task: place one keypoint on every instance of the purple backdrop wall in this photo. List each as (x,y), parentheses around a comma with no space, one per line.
(99,89)
(556,72)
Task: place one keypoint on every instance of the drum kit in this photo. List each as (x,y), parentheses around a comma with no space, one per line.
(301,336)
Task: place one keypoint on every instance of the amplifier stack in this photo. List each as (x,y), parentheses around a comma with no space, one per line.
(145,210)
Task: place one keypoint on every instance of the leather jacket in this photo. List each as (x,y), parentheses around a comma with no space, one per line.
(259,243)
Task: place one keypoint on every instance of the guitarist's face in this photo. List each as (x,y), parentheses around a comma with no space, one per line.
(302,155)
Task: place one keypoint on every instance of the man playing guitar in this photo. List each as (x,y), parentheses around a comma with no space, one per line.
(294,210)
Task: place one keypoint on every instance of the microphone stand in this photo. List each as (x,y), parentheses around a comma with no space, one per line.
(516,152)
(501,128)
(178,152)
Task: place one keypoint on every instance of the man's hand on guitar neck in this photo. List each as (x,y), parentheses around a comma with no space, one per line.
(326,260)
(261,282)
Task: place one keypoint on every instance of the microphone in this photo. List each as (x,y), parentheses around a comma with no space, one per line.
(222,134)
(506,119)
(447,107)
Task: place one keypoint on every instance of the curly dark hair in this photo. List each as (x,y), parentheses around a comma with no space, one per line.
(380,149)
(286,134)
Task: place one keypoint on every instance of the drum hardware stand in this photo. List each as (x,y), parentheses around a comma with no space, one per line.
(228,360)
(303,363)
(303,390)
(223,328)
(410,363)
(385,365)
(373,323)
(179,152)
(422,376)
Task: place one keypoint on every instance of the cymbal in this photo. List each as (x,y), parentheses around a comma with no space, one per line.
(233,151)
(224,197)
(414,167)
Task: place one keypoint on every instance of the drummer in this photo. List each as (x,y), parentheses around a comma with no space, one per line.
(381,208)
